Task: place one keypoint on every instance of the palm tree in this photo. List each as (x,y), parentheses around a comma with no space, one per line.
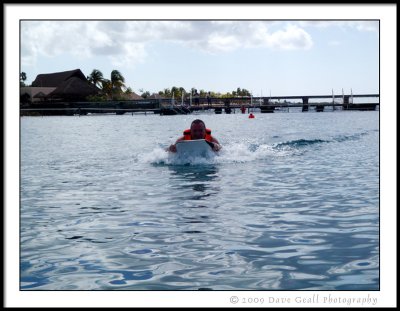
(22,78)
(145,94)
(165,93)
(106,88)
(175,92)
(111,88)
(96,77)
(117,81)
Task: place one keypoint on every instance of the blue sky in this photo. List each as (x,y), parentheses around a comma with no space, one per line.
(285,57)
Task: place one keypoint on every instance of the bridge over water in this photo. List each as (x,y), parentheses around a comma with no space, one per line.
(269,104)
(187,105)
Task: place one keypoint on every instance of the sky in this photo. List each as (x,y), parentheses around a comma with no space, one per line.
(266,57)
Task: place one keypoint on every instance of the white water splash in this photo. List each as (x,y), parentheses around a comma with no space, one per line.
(231,153)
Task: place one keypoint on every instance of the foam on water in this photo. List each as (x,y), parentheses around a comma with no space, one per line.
(230,153)
(244,151)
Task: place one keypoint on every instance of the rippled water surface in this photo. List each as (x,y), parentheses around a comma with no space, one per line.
(290,203)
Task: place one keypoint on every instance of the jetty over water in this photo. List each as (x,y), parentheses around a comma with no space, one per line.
(171,106)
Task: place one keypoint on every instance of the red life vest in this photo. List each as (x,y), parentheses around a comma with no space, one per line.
(188,136)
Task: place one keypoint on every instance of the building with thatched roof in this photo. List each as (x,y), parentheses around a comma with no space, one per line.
(155,96)
(40,95)
(30,94)
(56,78)
(74,88)
(65,85)
(131,96)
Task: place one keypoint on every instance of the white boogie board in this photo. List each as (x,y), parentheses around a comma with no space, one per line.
(193,148)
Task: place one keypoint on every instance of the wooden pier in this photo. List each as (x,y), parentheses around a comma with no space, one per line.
(219,105)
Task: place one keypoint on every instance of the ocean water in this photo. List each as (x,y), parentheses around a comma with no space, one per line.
(290,203)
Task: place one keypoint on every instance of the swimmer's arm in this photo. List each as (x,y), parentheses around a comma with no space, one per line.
(172,148)
(216,146)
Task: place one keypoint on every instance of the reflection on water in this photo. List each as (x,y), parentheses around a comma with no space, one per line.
(194,172)
(197,181)
(196,185)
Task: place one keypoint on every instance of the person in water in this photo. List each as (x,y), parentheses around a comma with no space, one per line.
(197,130)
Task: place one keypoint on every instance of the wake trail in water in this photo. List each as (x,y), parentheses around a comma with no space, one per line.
(230,153)
(243,152)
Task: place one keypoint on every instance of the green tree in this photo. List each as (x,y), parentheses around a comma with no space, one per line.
(175,91)
(245,92)
(96,77)
(22,78)
(203,93)
(166,93)
(240,92)
(113,88)
(117,81)
(145,94)
(106,88)
(226,95)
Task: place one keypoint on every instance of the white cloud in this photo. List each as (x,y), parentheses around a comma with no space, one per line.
(129,55)
(125,42)
(218,42)
(225,36)
(366,25)
(292,38)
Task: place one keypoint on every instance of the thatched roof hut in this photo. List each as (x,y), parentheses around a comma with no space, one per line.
(74,88)
(132,96)
(40,95)
(55,79)
(34,94)
(155,96)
